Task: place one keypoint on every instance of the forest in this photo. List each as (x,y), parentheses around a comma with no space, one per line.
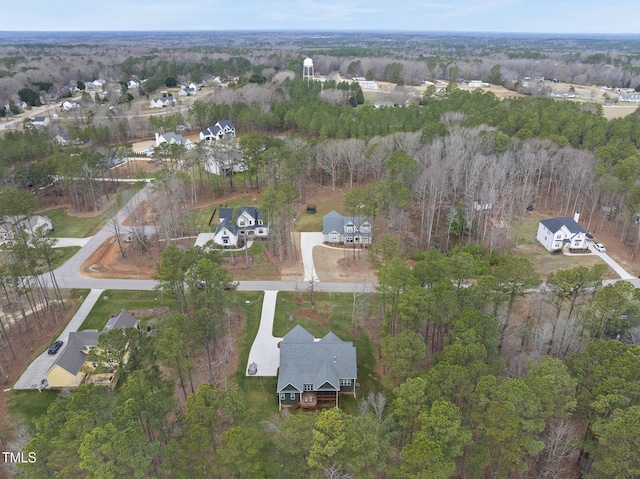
(488,369)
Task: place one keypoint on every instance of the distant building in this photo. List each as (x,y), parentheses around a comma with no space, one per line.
(249,224)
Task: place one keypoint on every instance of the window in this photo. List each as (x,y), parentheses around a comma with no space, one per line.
(240,222)
(558,236)
(260,222)
(345,382)
(283,396)
(292,396)
(348,228)
(225,240)
(308,387)
(260,231)
(348,239)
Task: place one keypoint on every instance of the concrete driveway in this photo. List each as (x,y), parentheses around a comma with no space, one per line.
(264,351)
(308,241)
(66,242)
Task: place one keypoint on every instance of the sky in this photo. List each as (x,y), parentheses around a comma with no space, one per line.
(521,16)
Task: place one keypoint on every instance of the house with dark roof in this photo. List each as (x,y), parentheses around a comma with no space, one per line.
(314,372)
(249,223)
(222,129)
(162,102)
(72,367)
(352,230)
(555,233)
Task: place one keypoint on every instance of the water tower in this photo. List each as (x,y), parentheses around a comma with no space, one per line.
(307,69)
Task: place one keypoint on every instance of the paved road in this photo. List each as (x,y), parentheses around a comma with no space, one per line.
(37,370)
(66,242)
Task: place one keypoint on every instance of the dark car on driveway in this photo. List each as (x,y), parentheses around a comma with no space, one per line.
(589,236)
(53,349)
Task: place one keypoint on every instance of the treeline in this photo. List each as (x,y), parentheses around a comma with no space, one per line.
(456,405)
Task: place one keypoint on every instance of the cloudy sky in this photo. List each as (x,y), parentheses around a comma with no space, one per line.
(535,16)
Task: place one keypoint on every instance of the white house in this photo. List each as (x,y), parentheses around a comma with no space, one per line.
(173,138)
(249,224)
(11,225)
(132,84)
(187,90)
(70,105)
(554,233)
(368,84)
(40,121)
(221,129)
(162,102)
(633,97)
(346,229)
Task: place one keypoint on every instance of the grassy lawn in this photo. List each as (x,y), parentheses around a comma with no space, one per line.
(334,310)
(200,217)
(61,255)
(313,222)
(113,301)
(543,261)
(30,405)
(72,226)
(261,268)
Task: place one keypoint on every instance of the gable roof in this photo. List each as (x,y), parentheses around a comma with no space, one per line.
(554,225)
(73,357)
(306,361)
(123,320)
(334,221)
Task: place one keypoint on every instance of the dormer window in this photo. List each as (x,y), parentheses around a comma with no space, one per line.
(308,387)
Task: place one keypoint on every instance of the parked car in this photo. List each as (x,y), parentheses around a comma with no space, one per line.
(53,349)
(589,236)
(600,247)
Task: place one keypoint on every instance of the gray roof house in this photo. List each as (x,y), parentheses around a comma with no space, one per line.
(9,226)
(346,229)
(67,370)
(314,372)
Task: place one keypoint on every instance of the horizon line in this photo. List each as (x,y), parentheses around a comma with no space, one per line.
(327,30)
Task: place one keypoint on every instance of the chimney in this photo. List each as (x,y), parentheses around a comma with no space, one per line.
(157,139)
(576,216)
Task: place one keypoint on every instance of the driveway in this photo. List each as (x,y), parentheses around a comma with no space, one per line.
(308,241)
(39,367)
(264,351)
(66,242)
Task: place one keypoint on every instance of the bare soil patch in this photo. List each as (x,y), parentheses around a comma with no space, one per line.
(107,261)
(343,265)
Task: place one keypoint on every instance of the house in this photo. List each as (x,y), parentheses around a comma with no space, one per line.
(132,84)
(71,105)
(346,229)
(173,138)
(224,160)
(10,225)
(187,91)
(314,373)
(72,366)
(368,84)
(62,138)
(220,130)
(554,233)
(162,102)
(633,97)
(67,370)
(249,224)
(39,121)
